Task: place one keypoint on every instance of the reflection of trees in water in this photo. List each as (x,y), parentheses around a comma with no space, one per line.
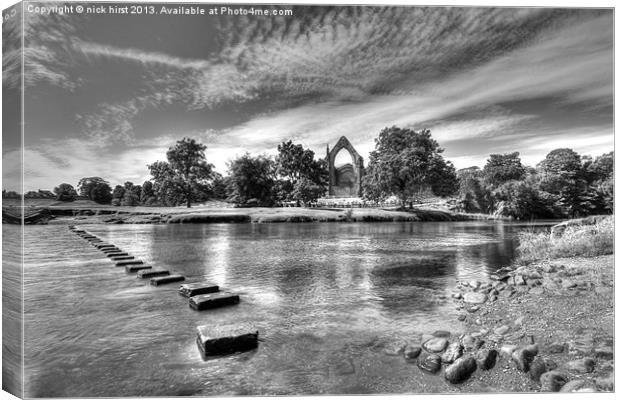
(415,282)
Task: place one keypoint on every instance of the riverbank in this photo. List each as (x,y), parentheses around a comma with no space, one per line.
(545,326)
(63,214)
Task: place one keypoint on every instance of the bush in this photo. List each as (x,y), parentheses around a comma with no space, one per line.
(577,240)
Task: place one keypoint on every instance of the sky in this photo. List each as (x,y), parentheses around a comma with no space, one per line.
(107,94)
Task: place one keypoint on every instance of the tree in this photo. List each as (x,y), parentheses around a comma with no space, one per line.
(117,195)
(252,180)
(65,192)
(131,195)
(501,168)
(302,178)
(147,196)
(184,175)
(403,164)
(96,189)
(473,197)
(561,174)
(522,200)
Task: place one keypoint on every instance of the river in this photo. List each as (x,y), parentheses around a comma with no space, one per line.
(325,297)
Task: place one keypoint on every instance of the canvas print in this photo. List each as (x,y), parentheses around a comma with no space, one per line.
(211,199)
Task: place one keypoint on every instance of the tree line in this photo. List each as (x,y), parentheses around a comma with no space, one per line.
(404,164)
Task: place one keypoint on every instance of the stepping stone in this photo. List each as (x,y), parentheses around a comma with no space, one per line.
(214,341)
(136,268)
(116,254)
(112,250)
(213,300)
(194,289)
(104,246)
(121,258)
(162,280)
(150,273)
(128,262)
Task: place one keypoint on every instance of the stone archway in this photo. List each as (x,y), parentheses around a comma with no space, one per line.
(345,181)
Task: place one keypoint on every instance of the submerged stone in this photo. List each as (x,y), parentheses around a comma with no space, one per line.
(162,280)
(431,363)
(122,258)
(213,340)
(116,254)
(213,300)
(412,352)
(435,345)
(135,268)
(474,298)
(552,381)
(128,262)
(452,353)
(194,289)
(486,358)
(582,366)
(150,273)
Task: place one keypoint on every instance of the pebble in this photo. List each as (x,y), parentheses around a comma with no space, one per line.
(606,382)
(474,298)
(457,295)
(461,370)
(523,356)
(519,321)
(471,343)
(394,349)
(581,366)
(486,358)
(430,363)
(440,333)
(539,366)
(577,385)
(556,347)
(508,349)
(412,352)
(435,345)
(502,330)
(537,290)
(473,309)
(462,317)
(552,381)
(519,280)
(452,353)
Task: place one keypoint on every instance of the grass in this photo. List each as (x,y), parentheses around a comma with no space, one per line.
(576,241)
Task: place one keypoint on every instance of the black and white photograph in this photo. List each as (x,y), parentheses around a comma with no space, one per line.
(307,199)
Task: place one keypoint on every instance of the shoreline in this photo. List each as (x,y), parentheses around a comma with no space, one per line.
(166,215)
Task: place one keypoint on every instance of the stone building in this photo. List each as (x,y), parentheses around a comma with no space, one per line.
(345,180)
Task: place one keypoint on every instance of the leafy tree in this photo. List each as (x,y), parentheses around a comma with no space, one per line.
(184,175)
(472,195)
(252,180)
(219,187)
(131,195)
(523,200)
(561,174)
(96,189)
(403,163)
(147,196)
(65,192)
(117,195)
(501,168)
(303,179)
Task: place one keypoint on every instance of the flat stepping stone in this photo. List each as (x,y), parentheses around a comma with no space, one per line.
(128,262)
(104,246)
(194,289)
(112,250)
(213,300)
(136,268)
(117,254)
(151,273)
(215,341)
(162,280)
(121,258)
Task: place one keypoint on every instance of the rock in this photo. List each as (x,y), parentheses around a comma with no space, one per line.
(495,338)
(508,349)
(395,348)
(519,280)
(135,268)
(568,284)
(581,366)
(604,352)
(519,321)
(550,268)
(150,273)
(215,340)
(474,284)
(534,275)
(583,345)
(194,289)
(474,298)
(457,295)
(215,300)
(426,337)
(577,385)
(556,348)
(453,352)
(162,280)
(605,383)
(461,317)
(552,381)
(473,309)
(412,352)
(539,366)
(486,358)
(128,262)
(507,292)
(461,369)
(471,343)
(537,290)
(430,363)
(435,345)
(523,356)
(440,333)
(502,330)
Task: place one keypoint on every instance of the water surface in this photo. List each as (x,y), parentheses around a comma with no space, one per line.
(326,298)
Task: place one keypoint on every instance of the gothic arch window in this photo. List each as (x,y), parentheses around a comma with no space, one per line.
(345,180)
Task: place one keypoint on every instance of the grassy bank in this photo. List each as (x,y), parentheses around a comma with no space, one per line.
(585,238)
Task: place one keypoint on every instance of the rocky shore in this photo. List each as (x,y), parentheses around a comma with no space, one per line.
(545,327)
